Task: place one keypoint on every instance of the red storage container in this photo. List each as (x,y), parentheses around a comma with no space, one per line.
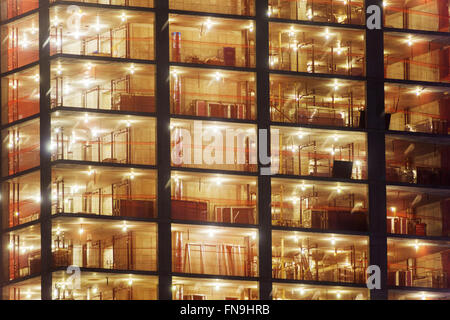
(229,56)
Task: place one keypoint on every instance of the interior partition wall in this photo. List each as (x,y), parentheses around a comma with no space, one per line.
(90,118)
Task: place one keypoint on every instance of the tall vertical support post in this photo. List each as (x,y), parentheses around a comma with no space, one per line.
(45,155)
(163,162)
(376,126)
(263,119)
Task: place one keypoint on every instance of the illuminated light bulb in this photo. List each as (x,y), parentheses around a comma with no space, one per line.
(218,76)
(327,34)
(333,241)
(77,34)
(91,172)
(358,163)
(132,69)
(58,231)
(130,281)
(87,82)
(302,291)
(174,288)
(86,118)
(36,78)
(128,124)
(253,236)
(303,187)
(211,233)
(24,42)
(97,26)
(417,246)
(384,3)
(81,231)
(174,73)
(338,295)
(219,181)
(339,190)
(57,130)
(132,175)
(333,153)
(89,66)
(269,12)
(423,297)
(123,17)
(55,292)
(10,246)
(28,296)
(250,28)
(209,24)
(16,213)
(339,49)
(59,70)
(335,138)
(291,32)
(94,290)
(419,91)
(124,227)
(393,209)
(410,41)
(336,85)
(217,288)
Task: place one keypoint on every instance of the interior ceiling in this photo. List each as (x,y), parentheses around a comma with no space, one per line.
(186,21)
(89,16)
(79,69)
(404,97)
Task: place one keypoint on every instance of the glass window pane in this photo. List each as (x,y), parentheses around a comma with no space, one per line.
(210,289)
(212,41)
(310,49)
(215,250)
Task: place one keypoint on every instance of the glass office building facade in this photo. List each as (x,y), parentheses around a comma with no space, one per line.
(99,99)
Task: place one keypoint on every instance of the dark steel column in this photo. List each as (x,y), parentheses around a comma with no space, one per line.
(2,252)
(45,155)
(163,142)
(376,153)
(264,186)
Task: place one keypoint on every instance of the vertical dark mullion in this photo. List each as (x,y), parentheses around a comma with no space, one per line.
(45,156)
(163,139)
(376,153)
(2,270)
(264,186)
